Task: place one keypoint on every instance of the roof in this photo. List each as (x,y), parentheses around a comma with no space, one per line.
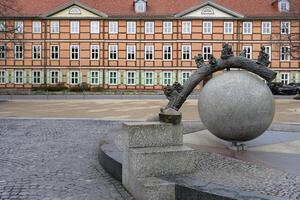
(155,8)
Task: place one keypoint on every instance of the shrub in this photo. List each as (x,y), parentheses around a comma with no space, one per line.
(51,88)
(97,89)
(80,88)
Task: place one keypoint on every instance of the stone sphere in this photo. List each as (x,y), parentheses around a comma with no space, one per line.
(236,106)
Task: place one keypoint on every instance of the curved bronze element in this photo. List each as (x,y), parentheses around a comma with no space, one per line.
(178,94)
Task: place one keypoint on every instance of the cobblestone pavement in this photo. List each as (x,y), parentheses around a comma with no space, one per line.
(54,160)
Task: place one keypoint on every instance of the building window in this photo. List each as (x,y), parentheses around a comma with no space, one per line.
(113,78)
(36,27)
(36,77)
(2,26)
(95,77)
(167,78)
(19,52)
(74,75)
(74,51)
(149,78)
(167,52)
(186,52)
(2,76)
(19,27)
(54,26)
(131,27)
(36,52)
(284,78)
(112,27)
(149,52)
(130,52)
(167,28)
(75,10)
(207,52)
(285,27)
(113,52)
(2,52)
(228,27)
(207,27)
(95,52)
(95,27)
(283,5)
(54,52)
(266,27)
(268,50)
(19,77)
(54,77)
(186,27)
(247,27)
(285,53)
(130,78)
(185,76)
(149,27)
(74,27)
(140,6)
(248,50)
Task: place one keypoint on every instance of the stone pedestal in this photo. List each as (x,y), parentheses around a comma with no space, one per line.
(155,149)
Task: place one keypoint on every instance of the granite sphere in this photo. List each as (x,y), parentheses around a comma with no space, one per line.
(236,106)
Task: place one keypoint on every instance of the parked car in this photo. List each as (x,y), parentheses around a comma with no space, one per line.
(278,88)
(296,85)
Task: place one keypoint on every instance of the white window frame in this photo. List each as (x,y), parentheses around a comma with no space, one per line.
(269,52)
(54,26)
(149,28)
(19,79)
(186,27)
(115,78)
(54,76)
(283,6)
(2,52)
(95,27)
(112,48)
(287,56)
(167,52)
(113,27)
(130,50)
(285,78)
(75,27)
(183,78)
(36,27)
(74,52)
(207,27)
(247,28)
(167,27)
(207,54)
(149,81)
(248,54)
(18,52)
(228,28)
(167,80)
(2,76)
(35,78)
(74,80)
(95,79)
(19,26)
(184,50)
(285,25)
(94,55)
(149,49)
(266,28)
(36,52)
(54,52)
(131,27)
(131,80)
(2,26)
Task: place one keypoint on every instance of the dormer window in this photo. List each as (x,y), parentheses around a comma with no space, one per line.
(75,10)
(283,5)
(140,6)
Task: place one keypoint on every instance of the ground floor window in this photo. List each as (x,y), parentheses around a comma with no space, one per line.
(95,77)
(54,77)
(113,77)
(2,76)
(130,78)
(185,76)
(74,75)
(149,76)
(19,77)
(36,77)
(167,78)
(284,78)
(248,51)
